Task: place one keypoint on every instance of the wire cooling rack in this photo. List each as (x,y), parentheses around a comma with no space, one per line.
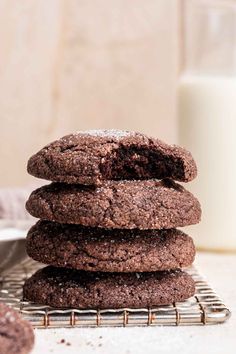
(204,308)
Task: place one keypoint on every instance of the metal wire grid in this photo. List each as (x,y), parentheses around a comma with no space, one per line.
(202,309)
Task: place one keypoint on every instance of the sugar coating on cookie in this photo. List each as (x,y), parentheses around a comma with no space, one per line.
(60,287)
(106,133)
(94,156)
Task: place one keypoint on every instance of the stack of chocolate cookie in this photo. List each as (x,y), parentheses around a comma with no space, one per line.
(108,222)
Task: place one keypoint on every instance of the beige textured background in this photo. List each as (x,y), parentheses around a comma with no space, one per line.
(68,65)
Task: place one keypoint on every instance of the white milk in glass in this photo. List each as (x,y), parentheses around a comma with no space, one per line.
(207,118)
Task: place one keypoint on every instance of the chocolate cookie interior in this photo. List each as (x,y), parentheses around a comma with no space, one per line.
(141,162)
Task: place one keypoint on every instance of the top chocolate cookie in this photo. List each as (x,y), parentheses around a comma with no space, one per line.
(93,156)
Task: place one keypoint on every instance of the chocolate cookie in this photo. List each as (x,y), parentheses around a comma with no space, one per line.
(106,250)
(16,334)
(127,204)
(91,157)
(61,287)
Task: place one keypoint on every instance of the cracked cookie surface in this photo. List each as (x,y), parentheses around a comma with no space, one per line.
(117,204)
(107,250)
(16,334)
(91,157)
(61,287)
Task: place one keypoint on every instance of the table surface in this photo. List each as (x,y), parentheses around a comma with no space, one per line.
(220,271)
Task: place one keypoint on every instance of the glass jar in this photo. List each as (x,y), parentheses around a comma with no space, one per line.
(207,115)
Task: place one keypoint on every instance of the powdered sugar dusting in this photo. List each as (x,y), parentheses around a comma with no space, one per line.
(106,133)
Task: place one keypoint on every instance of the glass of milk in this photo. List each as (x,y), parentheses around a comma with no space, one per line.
(207,116)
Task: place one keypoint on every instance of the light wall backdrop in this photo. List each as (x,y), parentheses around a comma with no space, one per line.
(68,65)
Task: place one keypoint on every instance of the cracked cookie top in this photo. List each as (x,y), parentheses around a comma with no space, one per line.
(147,204)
